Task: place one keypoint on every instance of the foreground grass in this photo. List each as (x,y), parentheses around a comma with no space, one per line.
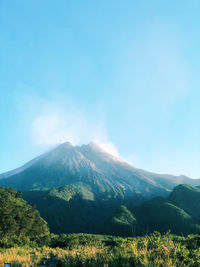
(152,250)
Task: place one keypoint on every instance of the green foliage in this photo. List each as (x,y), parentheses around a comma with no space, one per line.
(68,192)
(72,241)
(20,223)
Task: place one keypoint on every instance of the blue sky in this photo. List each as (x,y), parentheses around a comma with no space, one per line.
(122,73)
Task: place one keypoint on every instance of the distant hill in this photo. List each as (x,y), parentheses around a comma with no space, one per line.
(179,213)
(187,198)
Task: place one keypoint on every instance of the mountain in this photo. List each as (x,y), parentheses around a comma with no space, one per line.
(88,166)
(85,189)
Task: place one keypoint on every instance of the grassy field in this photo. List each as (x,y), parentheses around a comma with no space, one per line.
(92,250)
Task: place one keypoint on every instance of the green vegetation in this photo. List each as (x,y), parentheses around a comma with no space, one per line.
(20,223)
(96,250)
(75,211)
(179,212)
(122,222)
(161,215)
(26,241)
(187,198)
(68,192)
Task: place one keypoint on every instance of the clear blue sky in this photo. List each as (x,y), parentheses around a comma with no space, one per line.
(122,73)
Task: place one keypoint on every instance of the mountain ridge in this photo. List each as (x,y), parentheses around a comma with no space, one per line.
(90,164)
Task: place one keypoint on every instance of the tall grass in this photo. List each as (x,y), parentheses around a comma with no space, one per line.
(152,250)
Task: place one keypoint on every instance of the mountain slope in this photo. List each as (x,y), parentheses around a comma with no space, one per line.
(104,175)
(67,165)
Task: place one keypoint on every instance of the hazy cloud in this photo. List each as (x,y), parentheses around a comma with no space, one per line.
(58,122)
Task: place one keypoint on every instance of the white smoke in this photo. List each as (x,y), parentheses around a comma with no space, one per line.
(57,123)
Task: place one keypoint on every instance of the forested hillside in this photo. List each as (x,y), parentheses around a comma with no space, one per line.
(179,213)
(76,211)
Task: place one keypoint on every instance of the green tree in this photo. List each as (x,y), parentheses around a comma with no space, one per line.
(19,222)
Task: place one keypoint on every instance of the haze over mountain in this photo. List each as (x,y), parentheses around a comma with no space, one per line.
(90,167)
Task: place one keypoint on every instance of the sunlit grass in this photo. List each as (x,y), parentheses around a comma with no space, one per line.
(152,250)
